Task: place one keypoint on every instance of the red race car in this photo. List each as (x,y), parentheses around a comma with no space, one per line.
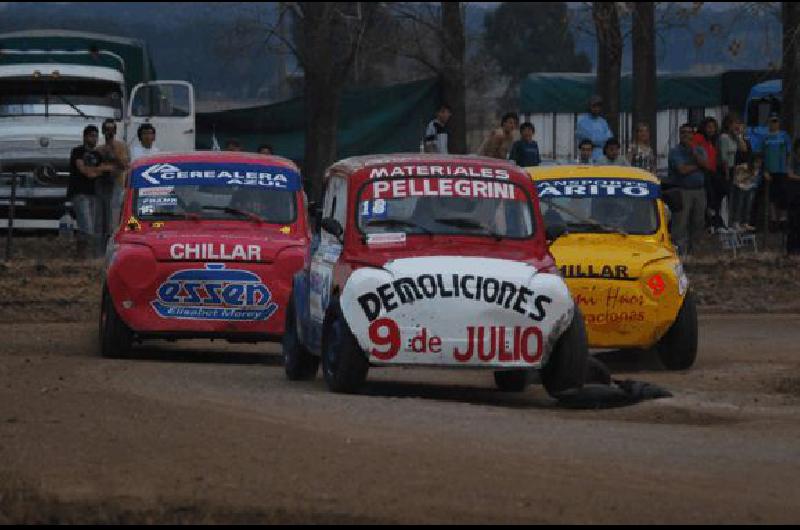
(433,261)
(207,248)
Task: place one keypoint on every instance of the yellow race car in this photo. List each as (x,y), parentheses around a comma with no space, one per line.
(609,231)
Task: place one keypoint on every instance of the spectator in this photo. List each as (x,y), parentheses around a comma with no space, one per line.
(611,154)
(110,187)
(525,151)
(498,144)
(436,136)
(146,146)
(792,189)
(706,139)
(593,127)
(745,182)
(84,167)
(233,144)
(685,173)
(265,149)
(776,146)
(585,152)
(734,152)
(640,153)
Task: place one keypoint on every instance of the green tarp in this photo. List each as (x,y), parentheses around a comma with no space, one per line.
(138,66)
(570,93)
(376,120)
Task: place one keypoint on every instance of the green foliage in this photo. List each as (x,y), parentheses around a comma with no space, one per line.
(528,37)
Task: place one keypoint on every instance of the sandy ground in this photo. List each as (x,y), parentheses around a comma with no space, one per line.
(210,432)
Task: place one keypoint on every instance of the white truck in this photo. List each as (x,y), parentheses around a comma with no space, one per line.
(53,83)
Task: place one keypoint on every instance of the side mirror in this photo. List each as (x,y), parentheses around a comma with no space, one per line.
(673,199)
(333,227)
(554,231)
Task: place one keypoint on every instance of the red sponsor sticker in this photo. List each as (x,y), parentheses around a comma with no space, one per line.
(443,187)
(657,285)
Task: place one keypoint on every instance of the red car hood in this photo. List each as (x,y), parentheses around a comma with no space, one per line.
(214,244)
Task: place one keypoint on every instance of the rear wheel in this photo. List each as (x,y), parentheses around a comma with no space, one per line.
(567,367)
(511,380)
(678,348)
(298,362)
(115,337)
(344,364)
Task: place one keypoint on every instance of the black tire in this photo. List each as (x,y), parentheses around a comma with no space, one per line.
(677,349)
(568,364)
(511,380)
(298,362)
(115,337)
(344,364)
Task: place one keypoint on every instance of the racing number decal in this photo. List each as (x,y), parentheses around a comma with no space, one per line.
(385,334)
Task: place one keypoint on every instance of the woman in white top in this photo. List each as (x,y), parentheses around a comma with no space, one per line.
(640,153)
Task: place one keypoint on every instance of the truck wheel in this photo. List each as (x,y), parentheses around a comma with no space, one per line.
(115,337)
(566,369)
(511,380)
(344,364)
(299,363)
(677,349)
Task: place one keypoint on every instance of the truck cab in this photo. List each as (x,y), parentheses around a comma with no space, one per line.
(55,83)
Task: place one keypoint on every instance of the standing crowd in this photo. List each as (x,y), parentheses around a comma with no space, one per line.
(98,175)
(723,181)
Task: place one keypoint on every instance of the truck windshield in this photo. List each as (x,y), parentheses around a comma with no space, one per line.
(216,202)
(467,207)
(60,97)
(626,215)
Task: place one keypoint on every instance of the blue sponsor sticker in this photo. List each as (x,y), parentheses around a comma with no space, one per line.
(214,293)
(216,174)
(598,187)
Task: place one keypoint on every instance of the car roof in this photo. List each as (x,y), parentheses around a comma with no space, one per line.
(226,157)
(349,167)
(579,171)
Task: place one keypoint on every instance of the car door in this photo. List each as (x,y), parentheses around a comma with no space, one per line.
(324,259)
(169,107)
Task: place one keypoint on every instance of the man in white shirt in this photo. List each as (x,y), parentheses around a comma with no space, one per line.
(147,137)
(436,136)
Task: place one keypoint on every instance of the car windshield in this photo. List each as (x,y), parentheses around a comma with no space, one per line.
(600,206)
(470,207)
(216,202)
(62,97)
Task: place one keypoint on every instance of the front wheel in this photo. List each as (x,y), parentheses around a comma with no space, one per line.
(566,369)
(344,364)
(298,362)
(678,348)
(115,337)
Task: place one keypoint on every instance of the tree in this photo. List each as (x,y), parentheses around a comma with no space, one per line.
(791,67)
(609,59)
(528,37)
(327,38)
(452,74)
(644,68)
(435,39)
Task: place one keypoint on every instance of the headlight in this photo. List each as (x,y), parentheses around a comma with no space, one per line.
(683,280)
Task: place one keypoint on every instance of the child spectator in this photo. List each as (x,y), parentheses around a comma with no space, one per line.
(525,151)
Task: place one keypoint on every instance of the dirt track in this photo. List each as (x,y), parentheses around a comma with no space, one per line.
(213,432)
